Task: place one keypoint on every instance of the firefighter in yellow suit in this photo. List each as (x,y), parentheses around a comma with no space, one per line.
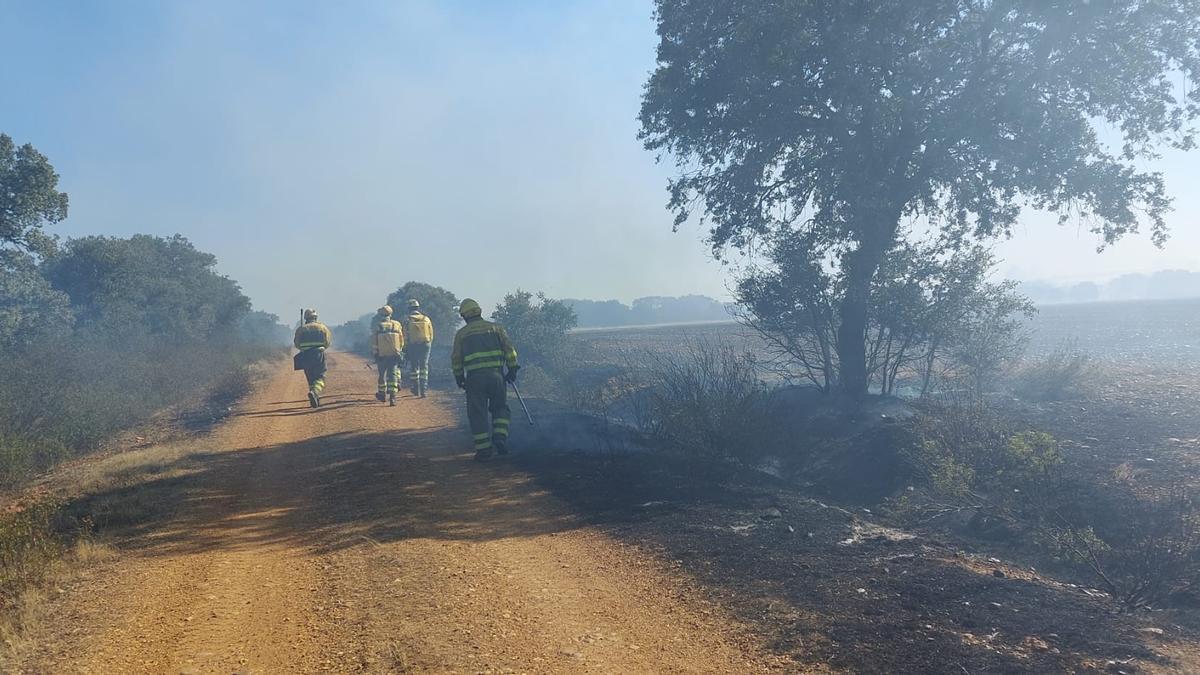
(481,353)
(418,330)
(312,339)
(387,345)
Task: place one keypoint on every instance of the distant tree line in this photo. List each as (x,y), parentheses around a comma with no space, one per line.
(1161,285)
(537,324)
(98,333)
(648,310)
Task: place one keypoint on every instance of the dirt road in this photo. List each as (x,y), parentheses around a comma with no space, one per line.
(363,538)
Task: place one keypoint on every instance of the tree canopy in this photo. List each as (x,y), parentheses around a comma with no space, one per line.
(161,285)
(30,309)
(437,303)
(838,120)
(29,198)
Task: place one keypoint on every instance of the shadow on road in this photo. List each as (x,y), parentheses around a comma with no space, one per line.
(875,606)
(326,493)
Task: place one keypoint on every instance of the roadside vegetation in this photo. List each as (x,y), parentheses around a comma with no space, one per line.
(98,335)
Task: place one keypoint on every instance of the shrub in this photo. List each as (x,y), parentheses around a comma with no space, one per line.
(538,326)
(65,397)
(1067,372)
(970,458)
(707,401)
(930,314)
(1141,551)
(1147,554)
(29,543)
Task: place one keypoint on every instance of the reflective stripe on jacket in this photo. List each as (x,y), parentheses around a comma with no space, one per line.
(387,339)
(481,344)
(312,334)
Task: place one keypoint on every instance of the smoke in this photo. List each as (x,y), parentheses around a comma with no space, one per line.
(328,153)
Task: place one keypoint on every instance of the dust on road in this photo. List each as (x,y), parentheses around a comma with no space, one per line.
(362,538)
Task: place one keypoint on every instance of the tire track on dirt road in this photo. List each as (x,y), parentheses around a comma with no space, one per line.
(362,538)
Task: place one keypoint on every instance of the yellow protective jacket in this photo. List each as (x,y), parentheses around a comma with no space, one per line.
(419,329)
(312,334)
(479,345)
(387,338)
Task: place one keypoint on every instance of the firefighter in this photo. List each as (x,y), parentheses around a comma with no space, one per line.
(419,330)
(312,339)
(387,346)
(481,353)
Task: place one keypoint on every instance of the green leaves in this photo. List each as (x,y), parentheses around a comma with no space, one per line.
(538,326)
(833,121)
(30,309)
(437,303)
(162,286)
(957,111)
(28,198)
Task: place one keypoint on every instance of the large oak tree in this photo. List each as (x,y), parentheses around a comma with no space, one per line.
(839,119)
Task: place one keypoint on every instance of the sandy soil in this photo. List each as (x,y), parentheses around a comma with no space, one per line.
(363,538)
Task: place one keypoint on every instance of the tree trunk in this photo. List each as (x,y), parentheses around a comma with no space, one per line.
(852,338)
(878,236)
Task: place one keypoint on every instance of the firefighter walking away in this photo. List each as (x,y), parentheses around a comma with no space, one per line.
(312,339)
(419,330)
(482,353)
(387,346)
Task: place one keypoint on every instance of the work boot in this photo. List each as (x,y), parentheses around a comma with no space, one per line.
(313,399)
(501,445)
(392,399)
(481,455)
(380,397)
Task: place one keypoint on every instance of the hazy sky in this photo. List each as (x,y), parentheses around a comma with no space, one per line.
(327,152)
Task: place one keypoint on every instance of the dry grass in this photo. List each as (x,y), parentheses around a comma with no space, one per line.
(45,543)
(28,607)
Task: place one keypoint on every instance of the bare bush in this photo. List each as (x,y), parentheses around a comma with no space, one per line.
(930,315)
(707,401)
(1067,372)
(1146,555)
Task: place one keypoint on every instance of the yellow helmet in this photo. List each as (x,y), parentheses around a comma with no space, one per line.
(310,315)
(386,310)
(468,309)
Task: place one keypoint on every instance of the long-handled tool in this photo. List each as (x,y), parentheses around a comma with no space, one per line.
(522,400)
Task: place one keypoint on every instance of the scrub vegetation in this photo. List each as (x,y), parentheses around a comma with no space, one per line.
(100,335)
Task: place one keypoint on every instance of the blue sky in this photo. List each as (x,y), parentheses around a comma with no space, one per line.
(328,151)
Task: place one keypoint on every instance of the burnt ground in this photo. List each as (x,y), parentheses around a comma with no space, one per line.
(1134,425)
(828,583)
